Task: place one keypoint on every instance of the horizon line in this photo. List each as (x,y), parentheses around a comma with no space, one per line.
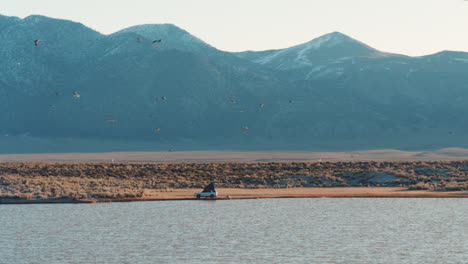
(230,51)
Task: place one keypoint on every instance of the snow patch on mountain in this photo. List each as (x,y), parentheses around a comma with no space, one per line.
(270,57)
(330,40)
(301,56)
(301,51)
(318,54)
(158,31)
(460,59)
(329,72)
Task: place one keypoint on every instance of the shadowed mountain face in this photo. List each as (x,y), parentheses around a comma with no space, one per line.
(331,93)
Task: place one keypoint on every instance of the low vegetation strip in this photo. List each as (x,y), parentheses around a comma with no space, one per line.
(46,181)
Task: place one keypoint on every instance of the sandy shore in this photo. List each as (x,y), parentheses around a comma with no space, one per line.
(242,156)
(340,192)
(238,193)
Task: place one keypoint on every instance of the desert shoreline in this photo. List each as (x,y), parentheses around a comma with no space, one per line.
(51,182)
(267,193)
(445,154)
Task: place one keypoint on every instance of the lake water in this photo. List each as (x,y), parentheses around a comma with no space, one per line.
(320,230)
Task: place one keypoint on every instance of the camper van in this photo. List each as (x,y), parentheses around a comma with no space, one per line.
(208,191)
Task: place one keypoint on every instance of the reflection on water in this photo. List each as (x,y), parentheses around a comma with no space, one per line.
(326,230)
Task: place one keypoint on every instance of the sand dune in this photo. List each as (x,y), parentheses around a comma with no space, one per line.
(239,156)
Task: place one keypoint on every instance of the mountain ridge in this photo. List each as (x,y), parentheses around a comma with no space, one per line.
(36,17)
(183,92)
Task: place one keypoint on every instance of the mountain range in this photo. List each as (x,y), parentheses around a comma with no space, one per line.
(79,90)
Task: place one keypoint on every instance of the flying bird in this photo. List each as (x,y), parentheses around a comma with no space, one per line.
(36,42)
(157,41)
(76,94)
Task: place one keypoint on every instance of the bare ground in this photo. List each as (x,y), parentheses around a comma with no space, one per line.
(236,193)
(236,156)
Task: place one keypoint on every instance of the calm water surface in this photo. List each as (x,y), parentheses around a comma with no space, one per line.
(321,230)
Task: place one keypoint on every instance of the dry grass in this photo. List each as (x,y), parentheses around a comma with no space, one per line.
(41,180)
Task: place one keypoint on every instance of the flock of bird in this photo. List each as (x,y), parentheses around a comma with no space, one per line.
(76,94)
(156,42)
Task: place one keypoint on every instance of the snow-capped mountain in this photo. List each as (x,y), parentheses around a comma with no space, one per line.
(330,93)
(325,49)
(319,57)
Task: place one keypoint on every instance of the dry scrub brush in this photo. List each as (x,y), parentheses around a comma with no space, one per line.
(40,180)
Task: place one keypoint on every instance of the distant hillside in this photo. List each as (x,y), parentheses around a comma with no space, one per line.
(332,93)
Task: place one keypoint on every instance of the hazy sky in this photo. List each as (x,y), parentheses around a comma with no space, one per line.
(412,27)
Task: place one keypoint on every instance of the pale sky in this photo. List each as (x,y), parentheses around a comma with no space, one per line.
(411,27)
